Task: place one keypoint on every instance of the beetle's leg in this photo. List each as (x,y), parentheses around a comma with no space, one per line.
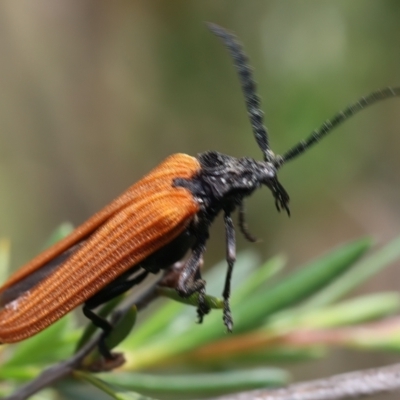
(108,293)
(105,326)
(202,308)
(114,289)
(243,225)
(230,258)
(190,280)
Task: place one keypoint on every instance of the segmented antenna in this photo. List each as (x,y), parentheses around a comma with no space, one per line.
(248,87)
(332,123)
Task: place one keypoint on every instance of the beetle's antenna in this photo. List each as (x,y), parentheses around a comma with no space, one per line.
(248,87)
(332,123)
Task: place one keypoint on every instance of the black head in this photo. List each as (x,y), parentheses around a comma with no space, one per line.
(229,179)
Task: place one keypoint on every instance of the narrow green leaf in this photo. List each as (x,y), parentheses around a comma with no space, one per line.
(199,384)
(111,389)
(154,325)
(357,275)
(246,263)
(122,328)
(350,312)
(299,285)
(257,279)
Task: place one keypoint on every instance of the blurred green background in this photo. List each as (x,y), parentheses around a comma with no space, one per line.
(95,93)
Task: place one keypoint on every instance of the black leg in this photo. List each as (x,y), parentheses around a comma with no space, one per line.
(202,308)
(230,258)
(187,284)
(114,289)
(111,291)
(190,278)
(105,326)
(243,224)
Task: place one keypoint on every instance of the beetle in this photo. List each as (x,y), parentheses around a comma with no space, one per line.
(154,224)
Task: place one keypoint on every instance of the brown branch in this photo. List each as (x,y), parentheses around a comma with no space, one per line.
(351,385)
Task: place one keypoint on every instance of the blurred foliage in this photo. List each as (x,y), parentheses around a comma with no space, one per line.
(279,319)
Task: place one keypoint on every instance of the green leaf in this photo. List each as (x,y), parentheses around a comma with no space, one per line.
(257,279)
(199,384)
(358,274)
(349,312)
(111,389)
(247,262)
(122,328)
(299,285)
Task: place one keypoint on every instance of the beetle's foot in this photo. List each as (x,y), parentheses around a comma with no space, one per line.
(197,287)
(202,308)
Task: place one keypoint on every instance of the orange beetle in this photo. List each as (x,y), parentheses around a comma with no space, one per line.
(152,225)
